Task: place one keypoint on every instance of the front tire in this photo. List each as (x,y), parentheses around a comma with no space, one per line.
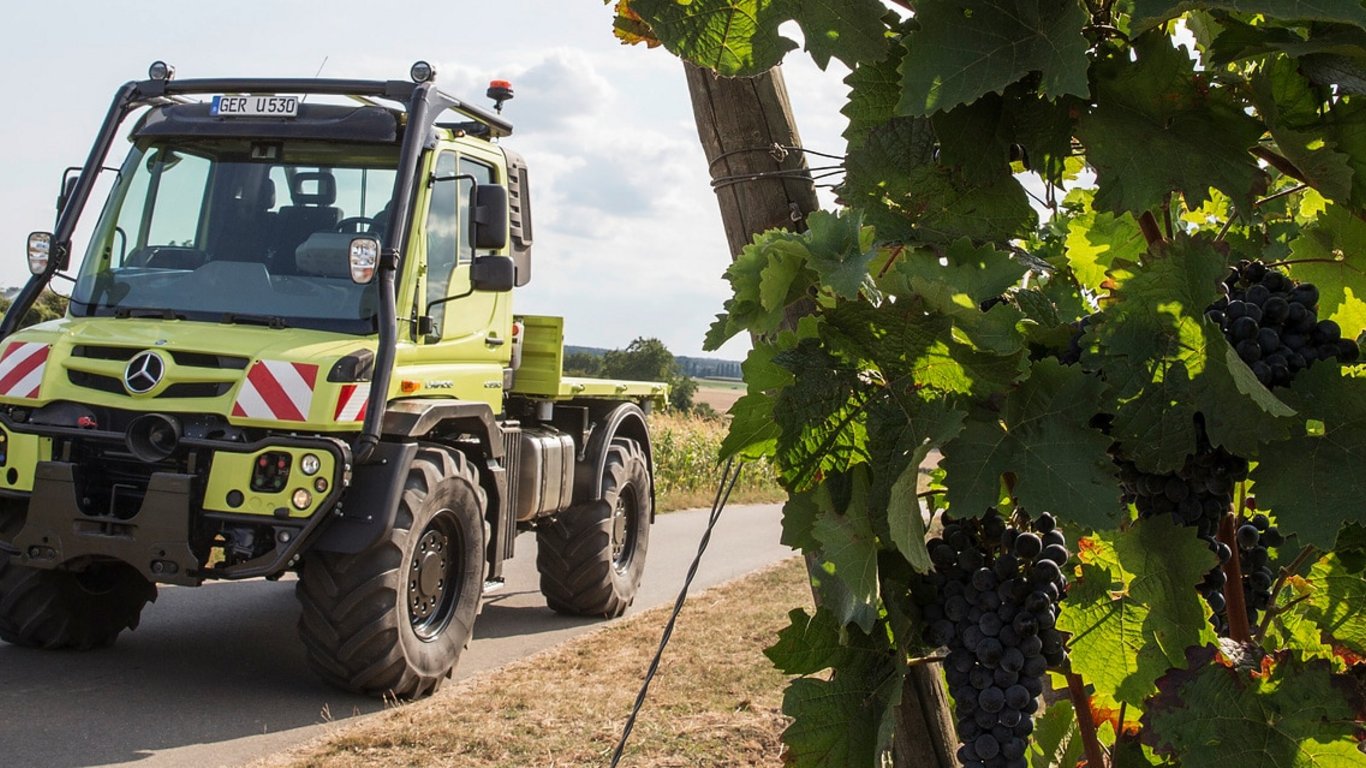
(392,620)
(76,610)
(592,557)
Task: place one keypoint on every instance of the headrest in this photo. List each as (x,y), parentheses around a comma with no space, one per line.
(325,192)
(267,200)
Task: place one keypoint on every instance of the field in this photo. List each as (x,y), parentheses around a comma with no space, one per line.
(686,468)
(720,394)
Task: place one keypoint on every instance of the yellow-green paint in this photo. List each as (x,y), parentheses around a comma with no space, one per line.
(232,472)
(22,454)
(542,356)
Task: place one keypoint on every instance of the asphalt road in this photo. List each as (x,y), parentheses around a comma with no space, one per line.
(215,675)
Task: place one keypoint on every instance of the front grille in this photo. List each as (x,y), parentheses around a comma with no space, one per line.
(114,384)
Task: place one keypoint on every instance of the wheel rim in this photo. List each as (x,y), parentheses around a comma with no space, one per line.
(433,576)
(624,529)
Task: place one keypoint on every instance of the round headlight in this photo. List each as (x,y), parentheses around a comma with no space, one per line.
(301,499)
(310,464)
(160,70)
(421,72)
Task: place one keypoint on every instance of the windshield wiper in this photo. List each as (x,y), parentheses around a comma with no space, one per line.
(270,321)
(165,314)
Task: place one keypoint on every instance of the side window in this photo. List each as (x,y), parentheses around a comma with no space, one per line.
(442,235)
(483,174)
(180,181)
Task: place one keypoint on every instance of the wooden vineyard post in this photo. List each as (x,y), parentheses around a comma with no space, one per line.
(747,132)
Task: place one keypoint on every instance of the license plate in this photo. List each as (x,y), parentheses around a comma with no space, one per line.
(255,106)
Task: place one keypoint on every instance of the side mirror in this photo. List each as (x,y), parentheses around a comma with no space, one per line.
(68,187)
(39,249)
(489,217)
(493,273)
(363,256)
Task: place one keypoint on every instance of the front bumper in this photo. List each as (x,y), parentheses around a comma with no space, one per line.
(166,524)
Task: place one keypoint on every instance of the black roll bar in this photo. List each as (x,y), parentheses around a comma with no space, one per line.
(424,103)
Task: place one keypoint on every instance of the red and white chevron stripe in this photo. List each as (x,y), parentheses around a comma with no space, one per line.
(276,389)
(351,402)
(21,368)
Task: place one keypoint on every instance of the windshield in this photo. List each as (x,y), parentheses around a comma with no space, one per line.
(239,231)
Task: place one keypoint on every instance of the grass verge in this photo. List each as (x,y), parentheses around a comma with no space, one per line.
(715,701)
(686,470)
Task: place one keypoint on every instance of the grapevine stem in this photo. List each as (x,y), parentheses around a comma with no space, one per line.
(1280,163)
(1282,193)
(1288,262)
(1286,572)
(1119,733)
(1234,604)
(897,250)
(1086,723)
(925,660)
(1167,216)
(1151,231)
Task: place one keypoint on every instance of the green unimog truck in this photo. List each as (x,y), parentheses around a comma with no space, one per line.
(291,346)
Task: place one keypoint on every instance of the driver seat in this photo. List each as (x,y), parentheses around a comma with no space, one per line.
(310,211)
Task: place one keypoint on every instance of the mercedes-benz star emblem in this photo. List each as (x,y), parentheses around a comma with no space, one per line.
(143,373)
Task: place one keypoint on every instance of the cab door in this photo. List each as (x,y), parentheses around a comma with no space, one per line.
(468,329)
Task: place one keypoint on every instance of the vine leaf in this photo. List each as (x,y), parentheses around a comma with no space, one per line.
(820,416)
(980,272)
(741,38)
(1337,243)
(809,644)
(1136,608)
(874,88)
(1060,463)
(766,277)
(1335,604)
(753,433)
(1210,715)
(965,49)
(1056,741)
(1295,115)
(1150,13)
(1315,479)
(901,433)
(1097,240)
(848,553)
(1193,136)
(839,249)
(839,722)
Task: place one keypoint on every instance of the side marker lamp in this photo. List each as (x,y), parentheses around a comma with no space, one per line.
(39,249)
(364,258)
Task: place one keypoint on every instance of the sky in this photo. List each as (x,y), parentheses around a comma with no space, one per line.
(629,240)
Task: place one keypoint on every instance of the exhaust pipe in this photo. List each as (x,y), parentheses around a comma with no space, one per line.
(152,437)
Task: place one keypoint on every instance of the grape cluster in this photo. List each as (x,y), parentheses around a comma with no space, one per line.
(994,604)
(1254,538)
(1273,324)
(1197,496)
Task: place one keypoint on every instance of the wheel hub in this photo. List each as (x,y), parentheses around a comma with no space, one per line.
(623,533)
(427,578)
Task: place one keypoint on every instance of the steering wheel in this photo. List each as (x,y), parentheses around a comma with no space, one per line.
(353,224)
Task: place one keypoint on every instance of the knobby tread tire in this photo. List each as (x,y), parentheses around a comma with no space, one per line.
(55,610)
(355,623)
(574,553)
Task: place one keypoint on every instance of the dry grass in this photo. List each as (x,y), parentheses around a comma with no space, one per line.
(715,701)
(720,395)
(686,469)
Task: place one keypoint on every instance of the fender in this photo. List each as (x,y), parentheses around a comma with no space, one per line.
(608,422)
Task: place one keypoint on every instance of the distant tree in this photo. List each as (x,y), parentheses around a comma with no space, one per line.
(582,364)
(49,306)
(649,360)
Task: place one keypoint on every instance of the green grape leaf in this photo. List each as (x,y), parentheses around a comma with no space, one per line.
(837,722)
(965,49)
(874,88)
(1150,13)
(733,37)
(1210,715)
(976,138)
(1193,136)
(1097,240)
(1336,603)
(809,644)
(799,518)
(756,277)
(904,518)
(1331,254)
(849,554)
(849,30)
(1320,143)
(740,38)
(820,417)
(1060,464)
(980,272)
(1136,608)
(840,249)
(1056,741)
(1315,479)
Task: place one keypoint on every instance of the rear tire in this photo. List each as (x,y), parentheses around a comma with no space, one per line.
(73,610)
(392,620)
(592,557)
